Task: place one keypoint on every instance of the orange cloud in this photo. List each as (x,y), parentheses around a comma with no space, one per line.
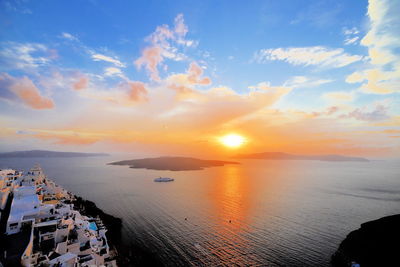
(68,140)
(162,42)
(192,126)
(82,83)
(189,120)
(151,58)
(66,137)
(182,91)
(182,83)
(329,111)
(392,131)
(211,109)
(27,92)
(137,91)
(180,28)
(195,72)
(163,120)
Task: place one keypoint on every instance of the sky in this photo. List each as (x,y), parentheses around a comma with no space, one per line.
(172,77)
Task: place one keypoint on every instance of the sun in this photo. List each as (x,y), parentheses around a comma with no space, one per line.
(232,140)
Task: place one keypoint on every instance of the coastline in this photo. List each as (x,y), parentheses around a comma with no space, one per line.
(59,207)
(126,254)
(44,224)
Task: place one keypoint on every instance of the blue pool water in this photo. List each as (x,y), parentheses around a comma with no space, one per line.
(92,226)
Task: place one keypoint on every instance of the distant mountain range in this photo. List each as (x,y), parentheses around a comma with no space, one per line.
(48,154)
(286,156)
(172,163)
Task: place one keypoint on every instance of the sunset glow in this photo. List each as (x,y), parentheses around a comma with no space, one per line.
(215,133)
(232,140)
(163,83)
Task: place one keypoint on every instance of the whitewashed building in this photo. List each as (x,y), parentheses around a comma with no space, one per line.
(58,234)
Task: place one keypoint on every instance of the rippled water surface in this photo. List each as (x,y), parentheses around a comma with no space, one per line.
(292,213)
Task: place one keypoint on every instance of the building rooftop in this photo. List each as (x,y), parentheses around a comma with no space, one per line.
(63,258)
(23,205)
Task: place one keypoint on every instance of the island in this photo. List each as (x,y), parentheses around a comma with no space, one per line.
(287,156)
(376,243)
(172,163)
(48,154)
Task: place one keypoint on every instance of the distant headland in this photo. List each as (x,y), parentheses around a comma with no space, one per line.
(286,156)
(172,163)
(48,154)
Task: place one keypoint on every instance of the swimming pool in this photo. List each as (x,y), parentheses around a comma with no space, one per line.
(93,226)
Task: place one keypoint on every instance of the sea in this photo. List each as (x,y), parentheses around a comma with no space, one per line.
(256,213)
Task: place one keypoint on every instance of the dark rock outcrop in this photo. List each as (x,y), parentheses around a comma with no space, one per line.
(113,224)
(130,254)
(376,243)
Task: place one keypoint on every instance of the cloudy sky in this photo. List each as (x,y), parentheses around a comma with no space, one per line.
(171,77)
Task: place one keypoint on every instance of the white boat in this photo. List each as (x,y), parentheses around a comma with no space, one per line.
(163,179)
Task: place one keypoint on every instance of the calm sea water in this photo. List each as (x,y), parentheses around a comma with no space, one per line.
(260,213)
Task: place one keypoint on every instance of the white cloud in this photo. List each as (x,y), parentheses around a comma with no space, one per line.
(382,41)
(377,80)
(351,36)
(355,77)
(16,6)
(100,57)
(23,56)
(352,31)
(306,56)
(69,36)
(303,81)
(92,52)
(339,96)
(351,40)
(383,35)
(112,71)
(165,43)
